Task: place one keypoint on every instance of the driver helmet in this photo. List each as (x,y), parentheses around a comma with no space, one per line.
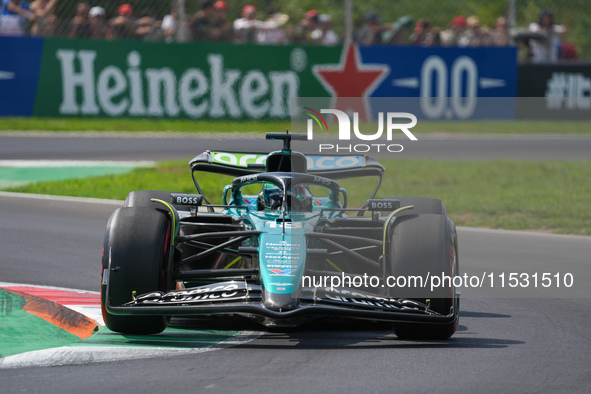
(271,197)
(299,199)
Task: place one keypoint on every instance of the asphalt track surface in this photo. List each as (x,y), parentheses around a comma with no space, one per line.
(502,344)
(107,146)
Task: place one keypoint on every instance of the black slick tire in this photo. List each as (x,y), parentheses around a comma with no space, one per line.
(422,244)
(135,258)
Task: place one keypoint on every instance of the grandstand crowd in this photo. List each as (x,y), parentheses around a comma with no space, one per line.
(542,41)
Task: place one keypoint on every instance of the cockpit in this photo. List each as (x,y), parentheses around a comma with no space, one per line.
(298,199)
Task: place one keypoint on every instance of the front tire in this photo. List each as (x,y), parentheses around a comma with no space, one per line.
(422,244)
(135,258)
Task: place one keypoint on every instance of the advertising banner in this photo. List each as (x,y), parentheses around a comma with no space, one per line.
(436,73)
(565,89)
(226,81)
(131,79)
(19,73)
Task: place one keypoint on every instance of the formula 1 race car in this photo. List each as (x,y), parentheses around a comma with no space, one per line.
(282,248)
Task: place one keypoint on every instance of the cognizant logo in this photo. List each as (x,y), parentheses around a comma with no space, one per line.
(344,122)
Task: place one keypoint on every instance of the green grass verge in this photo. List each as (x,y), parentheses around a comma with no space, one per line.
(551,196)
(204,126)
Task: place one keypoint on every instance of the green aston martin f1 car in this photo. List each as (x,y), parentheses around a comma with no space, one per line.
(282,248)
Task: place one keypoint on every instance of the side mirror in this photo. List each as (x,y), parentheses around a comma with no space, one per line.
(224,197)
(345,198)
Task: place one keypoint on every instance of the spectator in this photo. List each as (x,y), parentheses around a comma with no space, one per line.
(475,35)
(123,25)
(147,28)
(546,49)
(170,25)
(98,25)
(44,24)
(15,17)
(202,23)
(371,32)
(425,35)
(397,32)
(79,25)
(500,35)
(302,33)
(222,27)
(568,51)
(433,38)
(323,34)
(270,31)
(246,27)
(451,35)
(421,32)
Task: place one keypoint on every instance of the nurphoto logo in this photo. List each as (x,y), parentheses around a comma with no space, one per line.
(344,130)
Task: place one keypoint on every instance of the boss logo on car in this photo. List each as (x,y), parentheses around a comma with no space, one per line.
(186,199)
(383,205)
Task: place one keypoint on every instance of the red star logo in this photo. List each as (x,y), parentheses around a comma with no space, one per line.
(350,82)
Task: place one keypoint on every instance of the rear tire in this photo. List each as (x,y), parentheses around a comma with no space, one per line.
(422,244)
(136,253)
(421,205)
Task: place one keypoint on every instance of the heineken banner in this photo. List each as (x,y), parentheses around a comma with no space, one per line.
(60,77)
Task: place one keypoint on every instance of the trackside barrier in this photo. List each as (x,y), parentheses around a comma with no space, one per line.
(56,77)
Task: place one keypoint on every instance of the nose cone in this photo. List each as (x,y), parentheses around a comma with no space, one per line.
(280,302)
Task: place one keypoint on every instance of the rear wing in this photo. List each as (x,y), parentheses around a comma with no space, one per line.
(247,163)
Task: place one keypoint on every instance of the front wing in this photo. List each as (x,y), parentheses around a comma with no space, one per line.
(237,297)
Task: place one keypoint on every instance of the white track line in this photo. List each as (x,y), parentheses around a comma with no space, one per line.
(522,233)
(74,163)
(92,354)
(60,198)
(134,134)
